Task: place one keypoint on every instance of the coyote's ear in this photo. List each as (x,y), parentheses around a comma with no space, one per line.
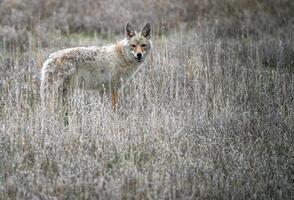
(146,31)
(130,32)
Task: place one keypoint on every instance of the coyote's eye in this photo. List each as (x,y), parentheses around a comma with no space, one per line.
(133,46)
(144,45)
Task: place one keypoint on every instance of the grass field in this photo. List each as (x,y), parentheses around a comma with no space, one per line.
(209,116)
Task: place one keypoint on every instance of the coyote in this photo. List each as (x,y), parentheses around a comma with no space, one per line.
(104,68)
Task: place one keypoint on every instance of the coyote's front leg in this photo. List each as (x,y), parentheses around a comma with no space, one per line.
(114,98)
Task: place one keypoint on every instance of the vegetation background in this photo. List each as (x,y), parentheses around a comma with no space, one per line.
(209,116)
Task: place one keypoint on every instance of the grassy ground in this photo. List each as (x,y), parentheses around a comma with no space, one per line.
(205,118)
(209,116)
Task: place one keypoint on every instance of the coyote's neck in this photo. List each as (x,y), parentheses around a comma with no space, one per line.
(124,54)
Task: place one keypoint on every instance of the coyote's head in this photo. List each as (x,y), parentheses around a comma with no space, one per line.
(138,43)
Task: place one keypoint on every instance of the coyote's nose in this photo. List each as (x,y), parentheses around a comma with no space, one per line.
(139,55)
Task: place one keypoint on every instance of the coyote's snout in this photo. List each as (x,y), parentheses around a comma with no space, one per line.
(94,68)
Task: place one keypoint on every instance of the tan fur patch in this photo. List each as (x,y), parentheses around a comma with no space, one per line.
(119,49)
(59,61)
(119,52)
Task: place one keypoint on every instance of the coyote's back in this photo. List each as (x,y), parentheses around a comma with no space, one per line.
(93,68)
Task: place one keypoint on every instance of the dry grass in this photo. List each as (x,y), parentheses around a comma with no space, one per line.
(209,117)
